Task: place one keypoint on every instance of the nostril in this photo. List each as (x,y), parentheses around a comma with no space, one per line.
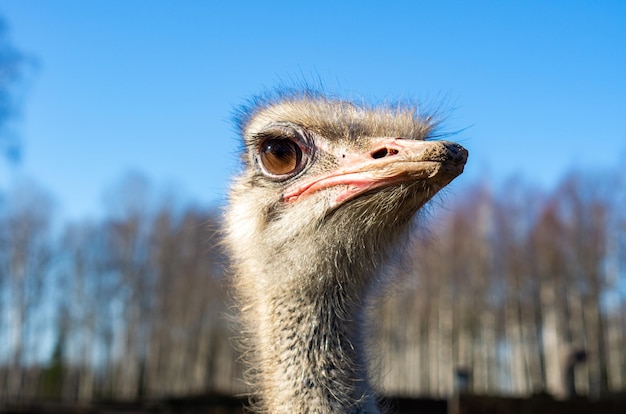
(383,152)
(380,153)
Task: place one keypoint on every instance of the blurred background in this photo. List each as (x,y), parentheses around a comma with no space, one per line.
(116,148)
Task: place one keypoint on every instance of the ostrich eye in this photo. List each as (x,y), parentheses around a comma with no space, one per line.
(280,156)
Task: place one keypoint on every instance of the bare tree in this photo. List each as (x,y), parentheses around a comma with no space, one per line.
(26,257)
(85,307)
(189,300)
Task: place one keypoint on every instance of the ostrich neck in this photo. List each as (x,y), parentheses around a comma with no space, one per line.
(311,357)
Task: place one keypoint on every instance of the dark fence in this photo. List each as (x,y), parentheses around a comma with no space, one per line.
(541,404)
(218,404)
(209,404)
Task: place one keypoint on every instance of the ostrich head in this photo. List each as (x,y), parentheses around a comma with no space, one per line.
(328,189)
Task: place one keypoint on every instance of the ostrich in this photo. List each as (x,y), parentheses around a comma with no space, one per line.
(328,188)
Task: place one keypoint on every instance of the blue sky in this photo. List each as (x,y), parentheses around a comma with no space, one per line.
(537,87)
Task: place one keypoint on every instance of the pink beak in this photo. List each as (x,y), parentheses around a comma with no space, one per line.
(391,161)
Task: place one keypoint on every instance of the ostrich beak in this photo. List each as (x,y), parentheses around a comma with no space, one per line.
(390,161)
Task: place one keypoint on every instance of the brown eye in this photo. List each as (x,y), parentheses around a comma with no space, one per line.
(280,156)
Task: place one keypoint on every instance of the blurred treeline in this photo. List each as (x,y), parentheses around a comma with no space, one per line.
(506,286)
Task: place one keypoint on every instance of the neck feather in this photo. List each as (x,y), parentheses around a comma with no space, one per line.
(308,349)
